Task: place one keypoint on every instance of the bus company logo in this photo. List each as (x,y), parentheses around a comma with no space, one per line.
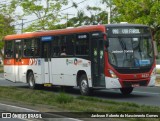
(39,62)
(34,62)
(6,115)
(77,62)
(69,61)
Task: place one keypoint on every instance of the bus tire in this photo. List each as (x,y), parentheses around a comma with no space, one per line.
(84,87)
(126,91)
(31,80)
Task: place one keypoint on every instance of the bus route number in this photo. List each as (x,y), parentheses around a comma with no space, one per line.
(82,36)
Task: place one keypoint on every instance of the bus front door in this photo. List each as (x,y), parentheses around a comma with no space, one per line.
(98,63)
(18,56)
(46,68)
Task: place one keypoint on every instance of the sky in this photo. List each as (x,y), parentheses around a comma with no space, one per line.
(72,11)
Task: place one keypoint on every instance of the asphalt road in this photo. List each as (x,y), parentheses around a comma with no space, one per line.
(140,95)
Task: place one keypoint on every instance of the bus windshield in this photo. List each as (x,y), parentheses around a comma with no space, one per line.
(131,52)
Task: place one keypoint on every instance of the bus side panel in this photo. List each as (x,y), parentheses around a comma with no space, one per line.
(59,70)
(9,69)
(64,70)
(23,73)
(17,72)
(35,65)
(9,72)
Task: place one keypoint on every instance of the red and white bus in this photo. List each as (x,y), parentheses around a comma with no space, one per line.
(90,57)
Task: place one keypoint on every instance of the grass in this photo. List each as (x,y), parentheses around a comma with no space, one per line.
(1,69)
(158,81)
(158,71)
(62,98)
(69,102)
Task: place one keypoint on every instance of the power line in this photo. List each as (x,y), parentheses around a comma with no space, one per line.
(22,25)
(46,16)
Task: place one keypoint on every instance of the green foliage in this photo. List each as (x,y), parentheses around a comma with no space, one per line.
(5,29)
(97,16)
(47,12)
(137,11)
(6,21)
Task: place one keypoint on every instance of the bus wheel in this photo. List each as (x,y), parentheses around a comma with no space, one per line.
(31,80)
(84,88)
(126,91)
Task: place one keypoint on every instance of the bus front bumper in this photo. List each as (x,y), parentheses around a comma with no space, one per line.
(112,83)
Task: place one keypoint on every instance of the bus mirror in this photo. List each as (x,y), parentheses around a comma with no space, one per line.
(106,44)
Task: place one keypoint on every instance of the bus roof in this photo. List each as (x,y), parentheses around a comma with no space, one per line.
(56,32)
(81,29)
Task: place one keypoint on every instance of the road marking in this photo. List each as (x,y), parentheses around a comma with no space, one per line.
(147,92)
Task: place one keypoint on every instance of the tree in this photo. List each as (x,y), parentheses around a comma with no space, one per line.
(46,11)
(6,22)
(96,16)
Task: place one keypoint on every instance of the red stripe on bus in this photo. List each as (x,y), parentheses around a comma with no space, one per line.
(18,61)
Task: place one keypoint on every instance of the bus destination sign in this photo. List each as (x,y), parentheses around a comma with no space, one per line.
(126,31)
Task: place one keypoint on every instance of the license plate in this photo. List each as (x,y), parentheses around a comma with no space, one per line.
(135,85)
(47,85)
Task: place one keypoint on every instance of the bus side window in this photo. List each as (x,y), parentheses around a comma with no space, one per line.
(27,47)
(31,48)
(56,46)
(63,43)
(82,44)
(36,47)
(70,40)
(9,49)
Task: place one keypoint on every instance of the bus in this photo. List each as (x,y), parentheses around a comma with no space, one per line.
(113,56)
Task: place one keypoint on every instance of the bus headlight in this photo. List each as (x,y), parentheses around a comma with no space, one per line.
(113,75)
(153,72)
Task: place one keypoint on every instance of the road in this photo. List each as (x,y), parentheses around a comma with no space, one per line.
(140,95)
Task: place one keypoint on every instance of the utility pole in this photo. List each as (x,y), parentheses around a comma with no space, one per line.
(22,25)
(67,14)
(109,12)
